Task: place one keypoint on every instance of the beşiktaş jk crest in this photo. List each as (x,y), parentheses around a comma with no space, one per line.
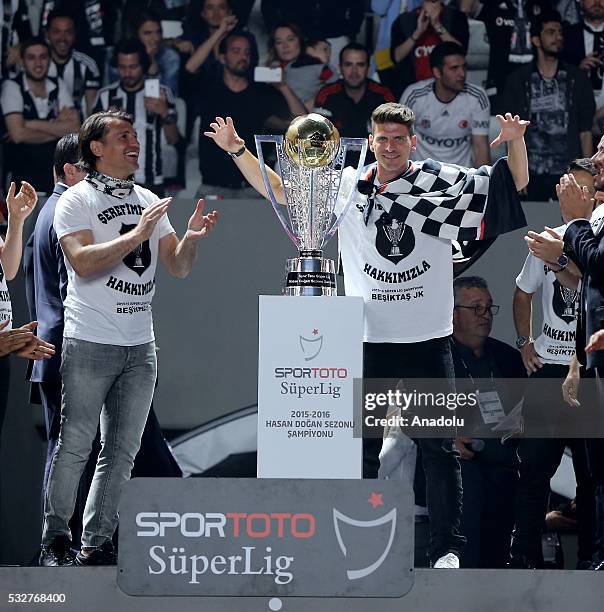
(139,259)
(564,302)
(394,240)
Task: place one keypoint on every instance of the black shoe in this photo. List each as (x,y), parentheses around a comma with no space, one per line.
(520,562)
(103,555)
(598,565)
(57,553)
(584,564)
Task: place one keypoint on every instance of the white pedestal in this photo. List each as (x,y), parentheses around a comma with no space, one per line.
(310,351)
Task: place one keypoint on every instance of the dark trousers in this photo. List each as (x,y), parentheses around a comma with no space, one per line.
(154,458)
(595,453)
(489,492)
(429,359)
(539,460)
(4,380)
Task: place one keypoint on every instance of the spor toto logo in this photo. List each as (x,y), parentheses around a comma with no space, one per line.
(257,536)
(311,347)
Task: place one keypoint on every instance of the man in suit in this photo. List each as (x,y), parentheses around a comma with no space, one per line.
(584,245)
(46,290)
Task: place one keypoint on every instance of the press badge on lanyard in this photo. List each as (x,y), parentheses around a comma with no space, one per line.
(489,402)
(491,408)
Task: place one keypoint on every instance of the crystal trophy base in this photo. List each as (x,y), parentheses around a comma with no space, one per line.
(310,274)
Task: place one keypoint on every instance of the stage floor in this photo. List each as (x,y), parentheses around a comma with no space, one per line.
(96,590)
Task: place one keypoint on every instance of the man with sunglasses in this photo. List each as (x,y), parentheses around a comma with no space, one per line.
(488,467)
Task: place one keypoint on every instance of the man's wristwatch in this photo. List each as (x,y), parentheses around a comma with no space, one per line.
(522,341)
(238,153)
(562,261)
(439,29)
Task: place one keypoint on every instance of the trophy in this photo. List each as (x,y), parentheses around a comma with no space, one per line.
(138,260)
(310,162)
(569,297)
(394,233)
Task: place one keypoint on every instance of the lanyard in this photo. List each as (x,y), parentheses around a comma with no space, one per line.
(467,369)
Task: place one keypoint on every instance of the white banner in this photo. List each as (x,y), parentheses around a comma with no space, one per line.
(310,351)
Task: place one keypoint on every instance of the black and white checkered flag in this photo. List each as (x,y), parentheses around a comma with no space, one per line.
(451,202)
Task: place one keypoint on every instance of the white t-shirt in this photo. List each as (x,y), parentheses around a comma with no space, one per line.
(404,276)
(12,100)
(560,306)
(6,312)
(445,129)
(113,307)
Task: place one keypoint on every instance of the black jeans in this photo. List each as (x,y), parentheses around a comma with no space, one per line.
(489,491)
(539,460)
(595,453)
(4,381)
(440,460)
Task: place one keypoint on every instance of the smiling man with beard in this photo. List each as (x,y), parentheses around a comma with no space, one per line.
(38,111)
(112,233)
(452,116)
(78,71)
(395,244)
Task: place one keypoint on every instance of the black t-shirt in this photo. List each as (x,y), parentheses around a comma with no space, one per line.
(350,117)
(249,109)
(500,23)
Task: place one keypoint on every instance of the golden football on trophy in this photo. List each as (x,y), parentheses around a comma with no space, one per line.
(312,141)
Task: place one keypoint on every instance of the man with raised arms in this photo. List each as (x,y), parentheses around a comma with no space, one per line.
(409,307)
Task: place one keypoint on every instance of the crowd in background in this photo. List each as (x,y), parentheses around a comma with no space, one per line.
(176,64)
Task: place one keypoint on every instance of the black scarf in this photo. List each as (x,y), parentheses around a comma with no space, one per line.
(118,188)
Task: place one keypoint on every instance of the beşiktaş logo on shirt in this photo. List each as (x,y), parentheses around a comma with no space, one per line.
(394,240)
(139,259)
(564,302)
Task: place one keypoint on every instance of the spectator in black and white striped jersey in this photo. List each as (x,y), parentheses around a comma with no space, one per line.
(79,71)
(37,111)
(151,114)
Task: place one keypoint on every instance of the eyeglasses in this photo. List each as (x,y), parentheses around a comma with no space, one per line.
(480,311)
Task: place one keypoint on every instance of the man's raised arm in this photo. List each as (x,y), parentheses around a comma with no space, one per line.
(223,133)
(88,258)
(512,132)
